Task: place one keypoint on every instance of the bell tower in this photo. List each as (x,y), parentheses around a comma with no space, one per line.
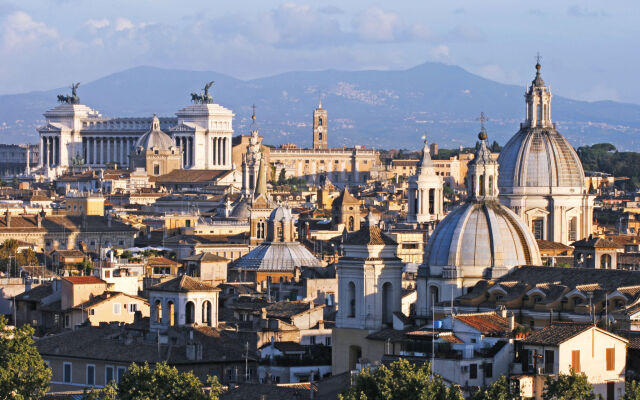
(319,128)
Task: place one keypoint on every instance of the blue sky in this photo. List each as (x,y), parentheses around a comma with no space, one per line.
(589,48)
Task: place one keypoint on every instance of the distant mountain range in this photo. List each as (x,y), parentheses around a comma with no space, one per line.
(381,109)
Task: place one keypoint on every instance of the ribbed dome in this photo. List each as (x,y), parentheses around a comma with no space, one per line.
(539,157)
(482,234)
(278,257)
(281,214)
(155,138)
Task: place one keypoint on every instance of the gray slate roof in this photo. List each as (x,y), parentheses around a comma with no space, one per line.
(278,257)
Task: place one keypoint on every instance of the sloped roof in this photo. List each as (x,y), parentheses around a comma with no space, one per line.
(285,256)
(368,235)
(84,280)
(556,333)
(184,284)
(191,176)
(206,257)
(487,324)
(597,242)
(287,309)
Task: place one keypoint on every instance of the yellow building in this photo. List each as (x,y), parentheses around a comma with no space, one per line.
(84,204)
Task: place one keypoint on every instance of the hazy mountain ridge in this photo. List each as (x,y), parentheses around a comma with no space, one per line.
(383,109)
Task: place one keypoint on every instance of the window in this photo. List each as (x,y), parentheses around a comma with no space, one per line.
(611,359)
(312,340)
(66,372)
(488,370)
(121,372)
(108,374)
(549,360)
(327,341)
(190,312)
(156,169)
(605,261)
(91,374)
(116,308)
(575,360)
(573,229)
(92,311)
(538,228)
(352,299)
(133,307)
(473,371)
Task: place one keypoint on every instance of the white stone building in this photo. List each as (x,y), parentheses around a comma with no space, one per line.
(541,176)
(76,133)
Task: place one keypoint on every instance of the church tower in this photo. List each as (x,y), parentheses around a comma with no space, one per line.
(320,128)
(370,292)
(425,192)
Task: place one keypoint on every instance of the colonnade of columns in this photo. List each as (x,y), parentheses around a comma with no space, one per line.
(49,151)
(100,150)
(185,144)
(220,149)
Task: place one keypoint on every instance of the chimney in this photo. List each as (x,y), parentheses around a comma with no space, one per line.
(512,321)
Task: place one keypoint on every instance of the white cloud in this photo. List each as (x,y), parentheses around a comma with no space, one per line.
(439,53)
(123,24)
(20,30)
(96,24)
(376,25)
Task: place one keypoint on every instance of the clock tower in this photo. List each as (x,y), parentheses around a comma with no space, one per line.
(320,128)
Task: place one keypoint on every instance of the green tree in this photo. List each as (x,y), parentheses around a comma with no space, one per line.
(502,389)
(158,382)
(23,374)
(282,177)
(27,257)
(401,380)
(631,390)
(572,386)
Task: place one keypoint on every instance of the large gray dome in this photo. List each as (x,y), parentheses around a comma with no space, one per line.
(539,157)
(278,257)
(242,210)
(155,138)
(482,234)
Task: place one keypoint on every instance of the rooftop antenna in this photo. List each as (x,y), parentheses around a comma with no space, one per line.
(538,58)
(253,116)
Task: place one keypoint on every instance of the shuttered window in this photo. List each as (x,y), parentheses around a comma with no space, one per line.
(575,360)
(611,359)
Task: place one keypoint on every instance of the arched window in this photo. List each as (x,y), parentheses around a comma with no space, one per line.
(158,310)
(605,261)
(206,313)
(281,234)
(481,185)
(319,135)
(351,224)
(172,313)
(387,303)
(320,121)
(351,296)
(490,185)
(189,313)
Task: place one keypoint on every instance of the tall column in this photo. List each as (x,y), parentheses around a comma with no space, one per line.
(56,150)
(101,153)
(41,161)
(219,151)
(84,149)
(190,146)
(213,151)
(94,157)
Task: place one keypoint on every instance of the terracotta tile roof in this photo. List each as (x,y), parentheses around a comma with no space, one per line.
(206,257)
(37,293)
(556,333)
(287,309)
(63,223)
(190,176)
(345,198)
(596,242)
(84,280)
(369,235)
(161,261)
(549,245)
(106,343)
(580,278)
(183,284)
(104,297)
(488,324)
